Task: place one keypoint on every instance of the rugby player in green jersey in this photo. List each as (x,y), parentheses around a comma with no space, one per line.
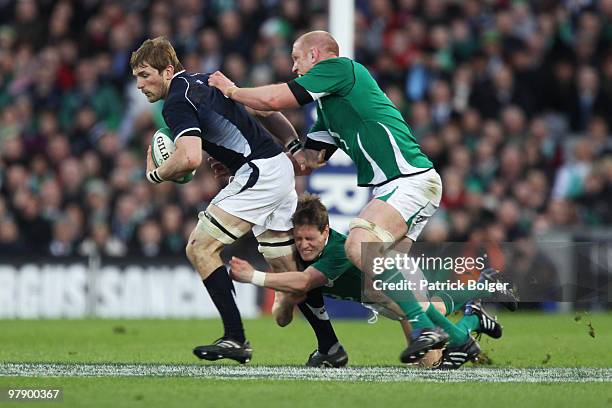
(325,265)
(354,115)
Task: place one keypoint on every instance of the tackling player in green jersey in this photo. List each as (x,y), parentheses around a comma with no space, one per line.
(356,116)
(325,265)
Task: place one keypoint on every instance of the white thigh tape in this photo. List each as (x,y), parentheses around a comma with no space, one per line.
(214,228)
(271,250)
(383,235)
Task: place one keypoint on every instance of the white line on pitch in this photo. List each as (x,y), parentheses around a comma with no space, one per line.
(385,374)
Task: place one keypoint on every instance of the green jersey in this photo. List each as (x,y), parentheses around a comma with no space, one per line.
(344,279)
(355,115)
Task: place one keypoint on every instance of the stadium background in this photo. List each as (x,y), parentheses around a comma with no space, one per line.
(512,100)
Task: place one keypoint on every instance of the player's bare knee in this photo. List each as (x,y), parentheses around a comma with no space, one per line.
(357,236)
(282,264)
(201,251)
(297,298)
(352,247)
(281,321)
(202,247)
(282,309)
(438,304)
(362,230)
(191,250)
(209,237)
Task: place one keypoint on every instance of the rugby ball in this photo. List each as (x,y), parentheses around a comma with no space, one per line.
(162,147)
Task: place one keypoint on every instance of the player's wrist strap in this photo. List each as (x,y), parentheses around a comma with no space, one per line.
(230,91)
(294,146)
(258,278)
(154,177)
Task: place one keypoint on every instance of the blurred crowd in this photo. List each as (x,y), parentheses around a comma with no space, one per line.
(512,100)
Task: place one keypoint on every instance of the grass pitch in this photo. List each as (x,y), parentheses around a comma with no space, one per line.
(551,360)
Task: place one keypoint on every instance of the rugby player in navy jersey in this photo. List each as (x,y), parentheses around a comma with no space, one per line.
(261,196)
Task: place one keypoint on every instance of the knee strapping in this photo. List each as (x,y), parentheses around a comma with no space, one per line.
(216,229)
(272,248)
(382,234)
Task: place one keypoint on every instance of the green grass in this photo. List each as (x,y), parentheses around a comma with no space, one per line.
(530,340)
(527,341)
(188,392)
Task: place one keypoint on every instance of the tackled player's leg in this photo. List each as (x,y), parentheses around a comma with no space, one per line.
(278,249)
(261,197)
(216,229)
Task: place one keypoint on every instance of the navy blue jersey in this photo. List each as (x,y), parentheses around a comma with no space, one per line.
(228,132)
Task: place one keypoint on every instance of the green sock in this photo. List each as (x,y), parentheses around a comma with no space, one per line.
(449,305)
(405,300)
(457,336)
(469,323)
(455,300)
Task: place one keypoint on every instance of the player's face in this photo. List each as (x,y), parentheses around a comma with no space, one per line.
(151,83)
(310,241)
(303,59)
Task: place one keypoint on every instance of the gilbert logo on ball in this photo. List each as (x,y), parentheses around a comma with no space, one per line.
(159,141)
(162,147)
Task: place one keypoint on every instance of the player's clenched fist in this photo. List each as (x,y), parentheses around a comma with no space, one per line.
(221,82)
(219,170)
(309,160)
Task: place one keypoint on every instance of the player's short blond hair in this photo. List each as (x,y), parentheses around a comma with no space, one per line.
(158,53)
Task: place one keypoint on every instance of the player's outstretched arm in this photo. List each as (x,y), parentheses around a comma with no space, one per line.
(291,282)
(276,123)
(266,98)
(304,160)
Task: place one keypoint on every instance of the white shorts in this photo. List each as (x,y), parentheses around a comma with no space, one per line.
(262,192)
(416,198)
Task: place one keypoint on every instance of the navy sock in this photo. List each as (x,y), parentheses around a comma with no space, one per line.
(221,290)
(313,308)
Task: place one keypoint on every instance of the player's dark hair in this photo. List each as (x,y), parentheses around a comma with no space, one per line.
(158,53)
(310,211)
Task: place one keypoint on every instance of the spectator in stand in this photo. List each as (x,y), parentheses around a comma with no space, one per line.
(148,240)
(511,100)
(99,241)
